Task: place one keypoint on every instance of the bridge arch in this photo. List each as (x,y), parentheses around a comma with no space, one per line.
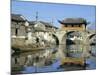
(82,44)
(92,44)
(91,39)
(74,43)
(69,42)
(92,35)
(56,39)
(72,34)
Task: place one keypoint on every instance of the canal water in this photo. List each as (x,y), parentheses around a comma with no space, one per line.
(29,62)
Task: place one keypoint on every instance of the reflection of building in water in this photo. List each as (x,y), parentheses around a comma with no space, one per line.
(74,43)
(32,58)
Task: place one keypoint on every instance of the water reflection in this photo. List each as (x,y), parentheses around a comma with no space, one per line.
(45,61)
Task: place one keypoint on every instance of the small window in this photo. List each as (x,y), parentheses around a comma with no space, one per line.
(69,25)
(16,31)
(65,25)
(76,25)
(72,25)
(80,25)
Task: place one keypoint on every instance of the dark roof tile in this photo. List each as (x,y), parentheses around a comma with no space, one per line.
(17,17)
(73,21)
(44,23)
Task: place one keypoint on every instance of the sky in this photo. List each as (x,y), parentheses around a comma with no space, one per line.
(52,12)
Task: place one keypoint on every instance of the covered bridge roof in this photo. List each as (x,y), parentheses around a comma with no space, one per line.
(67,21)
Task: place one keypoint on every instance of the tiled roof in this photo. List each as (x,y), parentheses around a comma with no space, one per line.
(17,17)
(73,21)
(32,22)
(44,23)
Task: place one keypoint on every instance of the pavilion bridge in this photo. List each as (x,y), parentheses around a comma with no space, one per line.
(73,33)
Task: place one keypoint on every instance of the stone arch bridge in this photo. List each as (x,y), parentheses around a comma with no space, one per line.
(85,37)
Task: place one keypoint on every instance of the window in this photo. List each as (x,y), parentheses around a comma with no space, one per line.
(76,25)
(16,31)
(69,25)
